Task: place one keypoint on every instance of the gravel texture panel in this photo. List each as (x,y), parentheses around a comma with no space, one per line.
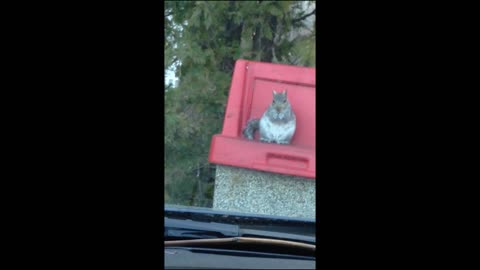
(251,191)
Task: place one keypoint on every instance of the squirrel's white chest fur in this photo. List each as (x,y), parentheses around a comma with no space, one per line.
(276,132)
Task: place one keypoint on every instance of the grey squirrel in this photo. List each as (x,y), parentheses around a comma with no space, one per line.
(278,123)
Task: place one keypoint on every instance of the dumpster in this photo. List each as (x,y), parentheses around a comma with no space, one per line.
(250,95)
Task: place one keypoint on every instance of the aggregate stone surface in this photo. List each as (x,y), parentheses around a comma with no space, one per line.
(251,191)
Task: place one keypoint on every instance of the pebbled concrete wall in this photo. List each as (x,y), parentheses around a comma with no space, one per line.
(244,190)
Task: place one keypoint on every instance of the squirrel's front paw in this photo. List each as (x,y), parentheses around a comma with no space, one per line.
(265,140)
(283,142)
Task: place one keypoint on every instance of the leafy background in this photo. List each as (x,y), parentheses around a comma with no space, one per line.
(203,40)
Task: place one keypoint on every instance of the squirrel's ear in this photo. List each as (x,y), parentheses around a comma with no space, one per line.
(285,92)
(274,92)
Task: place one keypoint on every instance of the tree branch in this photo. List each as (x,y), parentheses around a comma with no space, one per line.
(168,14)
(304,16)
(232,28)
(171,62)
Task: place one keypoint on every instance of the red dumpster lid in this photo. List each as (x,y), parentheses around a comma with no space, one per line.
(250,95)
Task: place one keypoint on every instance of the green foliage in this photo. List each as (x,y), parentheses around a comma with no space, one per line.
(205,38)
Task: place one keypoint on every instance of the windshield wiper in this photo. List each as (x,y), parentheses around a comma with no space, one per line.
(188,229)
(178,228)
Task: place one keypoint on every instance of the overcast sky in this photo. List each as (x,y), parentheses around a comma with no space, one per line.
(169,77)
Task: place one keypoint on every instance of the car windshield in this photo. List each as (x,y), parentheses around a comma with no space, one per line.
(240,129)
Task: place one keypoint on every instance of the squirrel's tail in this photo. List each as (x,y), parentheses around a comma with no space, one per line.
(250,129)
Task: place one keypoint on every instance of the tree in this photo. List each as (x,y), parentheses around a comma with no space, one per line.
(203,40)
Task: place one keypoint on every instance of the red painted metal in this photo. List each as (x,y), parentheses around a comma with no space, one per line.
(250,94)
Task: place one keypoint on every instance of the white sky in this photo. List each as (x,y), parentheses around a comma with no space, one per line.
(170,77)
